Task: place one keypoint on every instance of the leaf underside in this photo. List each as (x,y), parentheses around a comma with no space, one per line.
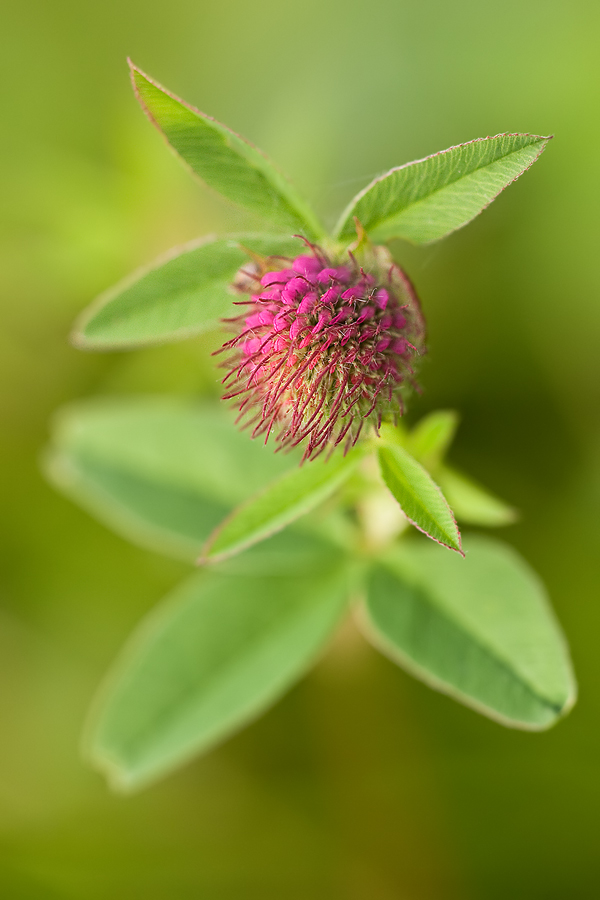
(479,629)
(425,200)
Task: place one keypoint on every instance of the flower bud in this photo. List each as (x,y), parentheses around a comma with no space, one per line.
(323,347)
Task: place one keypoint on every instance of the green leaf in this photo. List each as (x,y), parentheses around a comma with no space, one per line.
(470,502)
(155,516)
(473,503)
(425,200)
(224,160)
(282,502)
(159,471)
(216,654)
(296,551)
(420,498)
(431,437)
(480,629)
(184,293)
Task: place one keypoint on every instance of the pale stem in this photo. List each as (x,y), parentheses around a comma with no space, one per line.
(379,514)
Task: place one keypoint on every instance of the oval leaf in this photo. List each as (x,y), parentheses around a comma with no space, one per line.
(224,160)
(183,293)
(160,472)
(425,200)
(151,514)
(293,495)
(480,629)
(420,498)
(217,653)
(473,503)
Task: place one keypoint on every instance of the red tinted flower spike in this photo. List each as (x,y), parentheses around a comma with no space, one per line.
(323,347)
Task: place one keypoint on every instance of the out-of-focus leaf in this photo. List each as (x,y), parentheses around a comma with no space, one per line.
(420,498)
(471,502)
(224,160)
(217,653)
(280,503)
(480,629)
(431,437)
(161,472)
(155,515)
(296,551)
(184,293)
(425,200)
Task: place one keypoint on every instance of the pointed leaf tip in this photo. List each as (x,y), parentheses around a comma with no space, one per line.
(218,652)
(185,292)
(224,160)
(481,630)
(426,200)
(420,499)
(291,496)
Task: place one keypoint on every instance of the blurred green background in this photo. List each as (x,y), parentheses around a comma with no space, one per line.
(361,784)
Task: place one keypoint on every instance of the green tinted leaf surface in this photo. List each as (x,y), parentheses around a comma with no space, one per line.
(420,498)
(473,503)
(155,515)
(217,653)
(282,502)
(161,472)
(224,160)
(425,200)
(184,293)
(431,437)
(479,629)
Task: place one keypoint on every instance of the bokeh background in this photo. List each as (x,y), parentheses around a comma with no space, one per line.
(361,784)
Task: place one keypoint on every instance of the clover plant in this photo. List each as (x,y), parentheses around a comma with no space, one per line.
(322,343)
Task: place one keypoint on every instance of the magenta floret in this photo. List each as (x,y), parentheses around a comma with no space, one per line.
(323,348)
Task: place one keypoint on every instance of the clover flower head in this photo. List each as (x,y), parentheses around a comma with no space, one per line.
(323,347)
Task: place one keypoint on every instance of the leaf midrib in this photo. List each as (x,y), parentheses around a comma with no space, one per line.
(278,186)
(384,221)
(494,652)
(450,537)
(220,675)
(268,525)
